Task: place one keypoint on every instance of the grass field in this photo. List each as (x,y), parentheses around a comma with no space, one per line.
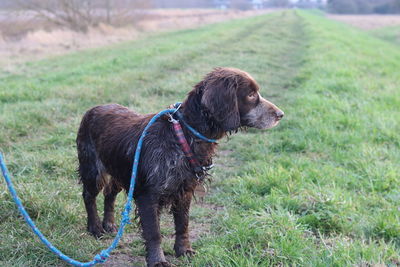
(321,189)
(390,33)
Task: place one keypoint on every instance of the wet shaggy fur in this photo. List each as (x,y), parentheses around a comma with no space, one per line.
(225,100)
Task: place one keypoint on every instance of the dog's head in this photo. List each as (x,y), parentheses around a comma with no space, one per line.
(233,100)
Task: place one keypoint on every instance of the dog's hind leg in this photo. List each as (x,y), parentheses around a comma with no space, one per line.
(91,188)
(110,194)
(92,177)
(90,192)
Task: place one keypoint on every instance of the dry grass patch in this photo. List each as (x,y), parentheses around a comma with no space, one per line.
(368,22)
(22,39)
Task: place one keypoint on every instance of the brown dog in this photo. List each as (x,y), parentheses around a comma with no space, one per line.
(225,100)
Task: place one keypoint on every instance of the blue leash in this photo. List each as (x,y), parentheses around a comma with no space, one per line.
(104,254)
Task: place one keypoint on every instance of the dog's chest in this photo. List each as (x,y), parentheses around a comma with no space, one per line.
(171,171)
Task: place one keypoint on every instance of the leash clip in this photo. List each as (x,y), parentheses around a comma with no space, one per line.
(176,106)
(171,118)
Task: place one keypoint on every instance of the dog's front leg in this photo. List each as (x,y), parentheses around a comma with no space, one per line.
(180,210)
(150,220)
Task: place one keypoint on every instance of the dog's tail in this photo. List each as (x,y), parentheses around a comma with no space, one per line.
(91,170)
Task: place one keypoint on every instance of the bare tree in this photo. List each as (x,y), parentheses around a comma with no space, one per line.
(74,14)
(123,12)
(79,15)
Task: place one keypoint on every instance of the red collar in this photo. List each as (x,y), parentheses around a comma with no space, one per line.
(199,170)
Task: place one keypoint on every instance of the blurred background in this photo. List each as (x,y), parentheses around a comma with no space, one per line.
(31,29)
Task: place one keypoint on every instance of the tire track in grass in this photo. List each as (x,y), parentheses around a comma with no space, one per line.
(280,73)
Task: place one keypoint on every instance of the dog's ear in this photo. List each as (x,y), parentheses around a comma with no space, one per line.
(219,97)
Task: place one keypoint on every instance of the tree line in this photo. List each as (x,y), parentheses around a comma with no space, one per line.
(363,6)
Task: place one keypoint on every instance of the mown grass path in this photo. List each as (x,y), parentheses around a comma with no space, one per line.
(320,189)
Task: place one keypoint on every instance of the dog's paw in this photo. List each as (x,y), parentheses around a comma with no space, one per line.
(185,252)
(110,227)
(96,230)
(161,264)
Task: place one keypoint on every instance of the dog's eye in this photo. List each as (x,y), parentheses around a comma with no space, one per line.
(252,96)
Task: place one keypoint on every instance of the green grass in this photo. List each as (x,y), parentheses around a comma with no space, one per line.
(390,33)
(320,189)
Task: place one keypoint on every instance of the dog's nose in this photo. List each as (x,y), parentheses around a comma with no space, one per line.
(279,114)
